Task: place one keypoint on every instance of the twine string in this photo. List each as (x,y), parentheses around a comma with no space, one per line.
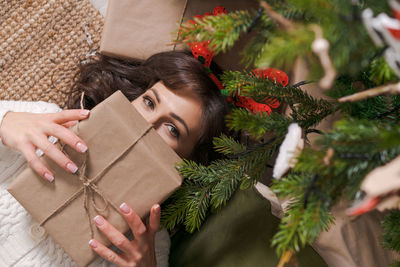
(182,17)
(90,188)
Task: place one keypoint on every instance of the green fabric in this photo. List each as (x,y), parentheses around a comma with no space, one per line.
(239,235)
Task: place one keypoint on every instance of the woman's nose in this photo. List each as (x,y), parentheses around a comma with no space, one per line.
(153,119)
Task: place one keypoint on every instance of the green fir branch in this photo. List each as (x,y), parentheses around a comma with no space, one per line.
(366,109)
(222,30)
(283,48)
(197,209)
(227,145)
(205,187)
(254,49)
(359,147)
(232,175)
(209,188)
(306,110)
(175,209)
(367,137)
(391,227)
(258,124)
(300,225)
(381,73)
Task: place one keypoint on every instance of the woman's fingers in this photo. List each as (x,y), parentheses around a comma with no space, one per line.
(54,153)
(28,150)
(134,222)
(69,115)
(23,131)
(69,124)
(67,136)
(69,118)
(140,251)
(115,236)
(107,253)
(154,221)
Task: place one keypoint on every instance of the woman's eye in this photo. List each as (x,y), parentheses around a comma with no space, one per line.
(148,102)
(173,130)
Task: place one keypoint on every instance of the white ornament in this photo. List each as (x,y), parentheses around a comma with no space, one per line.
(388,24)
(383,180)
(289,151)
(382,189)
(368,20)
(384,30)
(320,45)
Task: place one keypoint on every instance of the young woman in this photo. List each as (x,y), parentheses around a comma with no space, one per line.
(171,90)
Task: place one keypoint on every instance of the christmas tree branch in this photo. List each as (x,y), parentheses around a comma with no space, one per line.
(323,176)
(306,110)
(258,124)
(210,187)
(281,20)
(222,30)
(391,228)
(384,89)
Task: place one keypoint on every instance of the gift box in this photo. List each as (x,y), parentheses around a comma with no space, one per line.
(141,28)
(127,161)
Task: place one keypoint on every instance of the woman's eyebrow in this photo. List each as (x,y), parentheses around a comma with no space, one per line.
(173,115)
(156,94)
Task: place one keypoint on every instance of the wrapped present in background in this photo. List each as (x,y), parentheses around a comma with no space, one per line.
(127,161)
(141,28)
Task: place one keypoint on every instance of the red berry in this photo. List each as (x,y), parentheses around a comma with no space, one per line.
(219,10)
(252,105)
(201,49)
(275,75)
(272,74)
(272,102)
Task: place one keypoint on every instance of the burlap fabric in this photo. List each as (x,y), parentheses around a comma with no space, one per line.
(41,45)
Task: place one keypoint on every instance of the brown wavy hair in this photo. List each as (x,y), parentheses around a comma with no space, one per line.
(176,69)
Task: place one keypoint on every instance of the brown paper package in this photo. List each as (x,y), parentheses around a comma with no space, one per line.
(143,175)
(141,28)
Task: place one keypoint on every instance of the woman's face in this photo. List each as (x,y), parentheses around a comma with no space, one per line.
(176,116)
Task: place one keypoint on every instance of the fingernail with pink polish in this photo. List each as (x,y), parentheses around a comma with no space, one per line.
(81,147)
(49,177)
(92,243)
(156,208)
(72,167)
(125,208)
(98,220)
(85,112)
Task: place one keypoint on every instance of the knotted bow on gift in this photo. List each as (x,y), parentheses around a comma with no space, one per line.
(90,188)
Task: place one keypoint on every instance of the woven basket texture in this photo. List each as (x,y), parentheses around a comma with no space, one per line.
(42,43)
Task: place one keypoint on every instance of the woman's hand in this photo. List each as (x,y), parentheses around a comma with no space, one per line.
(26,132)
(139,252)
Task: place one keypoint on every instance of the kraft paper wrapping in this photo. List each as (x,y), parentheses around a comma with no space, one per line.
(142,176)
(141,28)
